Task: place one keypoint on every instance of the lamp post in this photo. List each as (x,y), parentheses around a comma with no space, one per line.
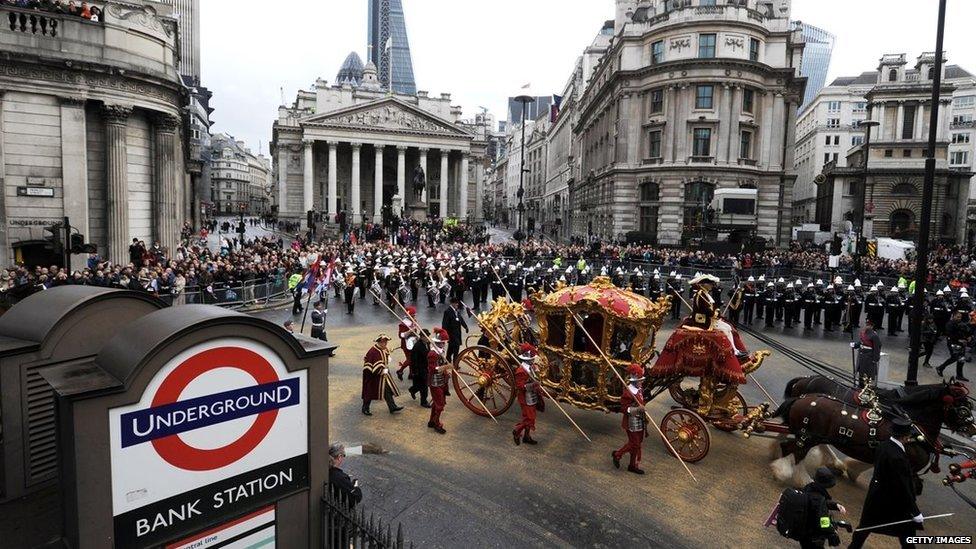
(520,232)
(862,196)
(928,189)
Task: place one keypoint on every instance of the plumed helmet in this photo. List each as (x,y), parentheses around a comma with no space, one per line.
(635,372)
(440,335)
(527,351)
(411,310)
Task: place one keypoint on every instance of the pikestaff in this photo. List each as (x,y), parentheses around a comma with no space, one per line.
(492,333)
(509,294)
(423,335)
(624,385)
(751,376)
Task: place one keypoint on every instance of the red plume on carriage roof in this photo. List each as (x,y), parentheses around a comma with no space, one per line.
(527,351)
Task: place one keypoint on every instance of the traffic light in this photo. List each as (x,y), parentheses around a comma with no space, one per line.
(55,238)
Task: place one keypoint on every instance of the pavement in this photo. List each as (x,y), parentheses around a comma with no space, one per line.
(472,487)
(214,238)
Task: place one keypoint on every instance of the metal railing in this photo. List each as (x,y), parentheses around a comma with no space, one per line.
(345,527)
(244,294)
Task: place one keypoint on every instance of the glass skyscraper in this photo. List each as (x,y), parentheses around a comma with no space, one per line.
(386,20)
(816,59)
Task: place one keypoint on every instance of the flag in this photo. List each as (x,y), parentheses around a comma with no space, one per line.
(326,278)
(557,102)
(311,275)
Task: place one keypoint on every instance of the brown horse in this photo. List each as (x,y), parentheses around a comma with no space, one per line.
(817,419)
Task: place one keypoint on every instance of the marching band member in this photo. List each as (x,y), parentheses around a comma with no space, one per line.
(634,422)
(377,382)
(350,291)
(529,396)
(438,374)
(408,338)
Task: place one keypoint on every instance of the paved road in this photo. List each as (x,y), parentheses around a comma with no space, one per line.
(473,487)
(214,238)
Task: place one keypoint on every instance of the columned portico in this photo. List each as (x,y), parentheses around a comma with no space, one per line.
(354,199)
(463,189)
(333,180)
(401,178)
(378,186)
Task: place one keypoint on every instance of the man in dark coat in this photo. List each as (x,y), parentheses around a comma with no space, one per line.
(822,529)
(343,488)
(418,369)
(891,495)
(453,322)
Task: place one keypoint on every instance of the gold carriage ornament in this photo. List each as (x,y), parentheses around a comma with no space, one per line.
(583,331)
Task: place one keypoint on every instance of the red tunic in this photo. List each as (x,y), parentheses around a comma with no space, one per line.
(628,399)
(438,386)
(405,333)
(375,380)
(524,381)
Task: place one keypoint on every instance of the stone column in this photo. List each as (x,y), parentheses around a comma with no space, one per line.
(463,192)
(899,121)
(779,126)
(282,181)
(333,180)
(670,150)
(378,186)
(165,188)
(117,182)
(423,164)
(724,126)
(74,164)
(445,156)
(308,171)
(354,195)
(919,118)
(479,190)
(402,178)
(8,253)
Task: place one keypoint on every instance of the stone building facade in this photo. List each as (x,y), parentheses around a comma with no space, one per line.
(900,101)
(690,97)
(92,129)
(356,149)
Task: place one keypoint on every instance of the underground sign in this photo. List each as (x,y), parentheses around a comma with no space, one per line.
(221,429)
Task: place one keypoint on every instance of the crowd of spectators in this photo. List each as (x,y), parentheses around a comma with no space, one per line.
(198,271)
(83,10)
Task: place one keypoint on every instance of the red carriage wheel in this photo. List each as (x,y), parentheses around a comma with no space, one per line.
(687,433)
(486,372)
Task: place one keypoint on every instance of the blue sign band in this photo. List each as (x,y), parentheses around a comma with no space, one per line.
(196,413)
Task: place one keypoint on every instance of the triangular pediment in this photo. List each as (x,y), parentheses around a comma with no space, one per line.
(388,114)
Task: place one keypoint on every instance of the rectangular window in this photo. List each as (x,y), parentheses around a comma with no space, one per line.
(745,145)
(959,158)
(964,101)
(906,153)
(833,122)
(889,153)
(706,46)
(836,140)
(654,145)
(960,137)
(703,142)
(826,158)
(703,97)
(833,106)
(657,52)
(962,118)
(857,140)
(908,124)
(860,106)
(748,100)
(706,2)
(835,157)
(753,49)
(827,140)
(657,101)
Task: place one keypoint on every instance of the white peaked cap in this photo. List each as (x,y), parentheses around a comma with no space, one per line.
(894,288)
(857,283)
(762,278)
(940,292)
(850,288)
(780,281)
(751,279)
(810,285)
(838,280)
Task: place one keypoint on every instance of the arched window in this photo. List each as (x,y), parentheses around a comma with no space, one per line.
(901,223)
(904,189)
(893,75)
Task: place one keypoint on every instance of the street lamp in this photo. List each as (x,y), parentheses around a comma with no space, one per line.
(520,233)
(862,195)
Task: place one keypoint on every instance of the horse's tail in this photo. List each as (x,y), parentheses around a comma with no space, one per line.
(784,409)
(788,392)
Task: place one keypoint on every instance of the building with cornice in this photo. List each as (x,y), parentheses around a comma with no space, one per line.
(900,101)
(92,129)
(691,97)
(357,149)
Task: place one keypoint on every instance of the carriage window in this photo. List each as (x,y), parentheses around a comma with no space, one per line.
(556,331)
(593,323)
(585,374)
(622,342)
(554,367)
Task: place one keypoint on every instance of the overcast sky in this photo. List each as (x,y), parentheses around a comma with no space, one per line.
(483,52)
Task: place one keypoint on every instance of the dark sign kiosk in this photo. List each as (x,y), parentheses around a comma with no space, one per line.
(192,426)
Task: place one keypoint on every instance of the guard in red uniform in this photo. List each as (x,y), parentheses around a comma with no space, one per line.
(529,394)
(438,373)
(377,382)
(408,338)
(634,421)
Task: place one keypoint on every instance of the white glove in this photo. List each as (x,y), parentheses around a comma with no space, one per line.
(919,518)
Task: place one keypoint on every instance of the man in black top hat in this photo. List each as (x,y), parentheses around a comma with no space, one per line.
(891,495)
